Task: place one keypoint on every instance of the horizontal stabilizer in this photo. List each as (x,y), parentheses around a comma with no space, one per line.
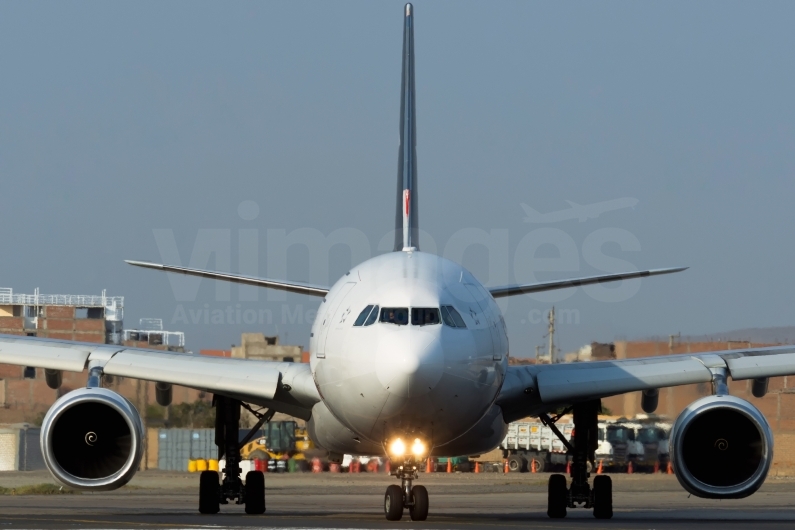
(511,290)
(292,287)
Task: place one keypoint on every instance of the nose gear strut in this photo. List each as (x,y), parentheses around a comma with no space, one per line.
(397,498)
(600,497)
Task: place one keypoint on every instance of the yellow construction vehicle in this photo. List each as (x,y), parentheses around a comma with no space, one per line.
(302,441)
(262,449)
(258,450)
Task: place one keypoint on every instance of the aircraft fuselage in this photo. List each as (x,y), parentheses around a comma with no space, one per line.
(409,369)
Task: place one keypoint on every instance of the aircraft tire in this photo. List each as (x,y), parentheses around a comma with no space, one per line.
(419,510)
(209,500)
(557,497)
(393,503)
(255,493)
(603,497)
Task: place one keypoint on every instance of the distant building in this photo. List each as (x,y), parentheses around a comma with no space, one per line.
(262,347)
(594,351)
(24,394)
(216,353)
(265,348)
(84,318)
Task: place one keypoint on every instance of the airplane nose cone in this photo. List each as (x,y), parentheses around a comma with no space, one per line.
(410,362)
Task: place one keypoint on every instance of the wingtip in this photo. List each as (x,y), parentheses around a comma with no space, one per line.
(145,264)
(672,270)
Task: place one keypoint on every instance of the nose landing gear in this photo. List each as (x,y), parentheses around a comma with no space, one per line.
(600,497)
(398,498)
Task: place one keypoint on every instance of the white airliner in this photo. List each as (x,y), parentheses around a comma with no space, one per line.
(409,358)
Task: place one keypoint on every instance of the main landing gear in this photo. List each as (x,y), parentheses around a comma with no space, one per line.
(397,498)
(213,492)
(600,497)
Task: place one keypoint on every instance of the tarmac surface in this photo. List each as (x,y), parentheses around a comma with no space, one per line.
(305,500)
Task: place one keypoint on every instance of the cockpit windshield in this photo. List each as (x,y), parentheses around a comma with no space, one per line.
(424,316)
(395,315)
(420,316)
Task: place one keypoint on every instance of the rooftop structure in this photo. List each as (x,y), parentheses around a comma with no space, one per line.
(86,318)
(8,297)
(150,333)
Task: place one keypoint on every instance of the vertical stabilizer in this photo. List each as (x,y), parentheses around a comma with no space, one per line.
(406,225)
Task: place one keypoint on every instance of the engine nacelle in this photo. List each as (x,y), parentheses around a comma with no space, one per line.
(92,439)
(721,447)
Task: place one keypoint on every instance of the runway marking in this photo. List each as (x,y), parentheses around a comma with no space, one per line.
(455,524)
(101,521)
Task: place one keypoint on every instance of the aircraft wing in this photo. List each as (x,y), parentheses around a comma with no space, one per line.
(285,387)
(511,290)
(280,285)
(533,389)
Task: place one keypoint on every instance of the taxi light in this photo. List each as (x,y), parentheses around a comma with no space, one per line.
(418,448)
(397,448)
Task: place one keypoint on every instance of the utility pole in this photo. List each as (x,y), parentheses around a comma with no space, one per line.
(551,334)
(672,341)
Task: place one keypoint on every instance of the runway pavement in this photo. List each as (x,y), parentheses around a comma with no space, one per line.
(169,500)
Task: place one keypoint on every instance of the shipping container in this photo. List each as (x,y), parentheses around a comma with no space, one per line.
(20,449)
(176,447)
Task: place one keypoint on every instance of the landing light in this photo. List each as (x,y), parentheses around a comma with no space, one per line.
(398,448)
(418,448)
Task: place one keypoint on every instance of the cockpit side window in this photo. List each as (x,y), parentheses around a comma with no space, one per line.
(372,318)
(448,320)
(424,316)
(363,315)
(395,315)
(452,317)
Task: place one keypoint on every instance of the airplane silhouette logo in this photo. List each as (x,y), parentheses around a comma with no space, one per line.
(577,211)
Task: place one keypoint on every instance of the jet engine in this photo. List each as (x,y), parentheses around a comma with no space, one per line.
(92,439)
(721,447)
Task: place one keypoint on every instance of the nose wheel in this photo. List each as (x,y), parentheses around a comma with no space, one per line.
(419,509)
(406,496)
(393,503)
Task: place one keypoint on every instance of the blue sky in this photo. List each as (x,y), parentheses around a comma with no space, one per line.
(121,119)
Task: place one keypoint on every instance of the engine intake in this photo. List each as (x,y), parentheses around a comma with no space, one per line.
(721,448)
(92,439)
